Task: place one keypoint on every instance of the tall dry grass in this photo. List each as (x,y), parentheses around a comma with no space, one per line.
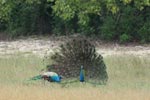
(17,68)
(129,79)
(88,93)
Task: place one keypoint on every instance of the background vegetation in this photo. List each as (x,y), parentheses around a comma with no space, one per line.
(121,20)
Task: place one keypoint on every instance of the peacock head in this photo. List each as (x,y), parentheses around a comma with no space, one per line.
(60,77)
(81,67)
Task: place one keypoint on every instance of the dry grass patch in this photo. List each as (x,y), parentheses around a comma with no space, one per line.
(89,93)
(129,79)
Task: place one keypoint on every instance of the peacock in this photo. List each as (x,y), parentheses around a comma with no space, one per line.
(82,74)
(76,52)
(49,76)
(54,77)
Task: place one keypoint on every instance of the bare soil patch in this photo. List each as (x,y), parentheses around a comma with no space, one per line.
(42,45)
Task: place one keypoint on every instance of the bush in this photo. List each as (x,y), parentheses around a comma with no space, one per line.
(77,53)
(27,19)
(2,26)
(124,38)
(145,30)
(108,28)
(121,21)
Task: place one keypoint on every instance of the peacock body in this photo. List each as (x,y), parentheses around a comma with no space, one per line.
(49,76)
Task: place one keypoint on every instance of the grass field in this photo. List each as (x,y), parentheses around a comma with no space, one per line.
(129,79)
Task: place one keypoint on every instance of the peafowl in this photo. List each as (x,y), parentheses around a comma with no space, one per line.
(82,74)
(49,76)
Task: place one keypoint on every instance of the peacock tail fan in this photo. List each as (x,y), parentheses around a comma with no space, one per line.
(75,53)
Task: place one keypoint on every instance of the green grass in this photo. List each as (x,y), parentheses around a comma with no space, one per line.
(128,71)
(129,79)
(18,68)
(125,71)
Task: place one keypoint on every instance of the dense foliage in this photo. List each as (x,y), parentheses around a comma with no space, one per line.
(122,20)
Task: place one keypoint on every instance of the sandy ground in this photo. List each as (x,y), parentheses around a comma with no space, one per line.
(43,45)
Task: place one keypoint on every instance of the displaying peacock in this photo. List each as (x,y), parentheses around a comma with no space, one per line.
(76,53)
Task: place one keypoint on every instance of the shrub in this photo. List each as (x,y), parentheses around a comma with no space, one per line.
(2,26)
(124,38)
(145,32)
(30,18)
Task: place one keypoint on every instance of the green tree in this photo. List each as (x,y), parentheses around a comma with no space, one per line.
(123,20)
(25,17)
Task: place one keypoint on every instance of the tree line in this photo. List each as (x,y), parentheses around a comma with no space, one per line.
(121,20)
